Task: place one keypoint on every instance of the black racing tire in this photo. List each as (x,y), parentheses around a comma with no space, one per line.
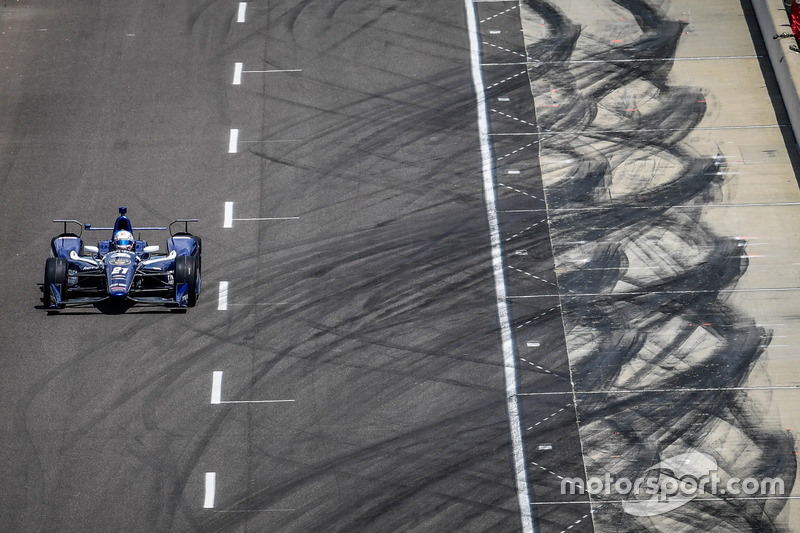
(55,271)
(186,272)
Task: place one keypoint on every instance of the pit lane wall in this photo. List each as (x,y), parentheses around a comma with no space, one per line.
(772,20)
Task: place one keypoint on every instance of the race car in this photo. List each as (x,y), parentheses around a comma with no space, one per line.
(122,268)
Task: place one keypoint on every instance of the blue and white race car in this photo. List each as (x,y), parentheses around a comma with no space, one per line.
(122,268)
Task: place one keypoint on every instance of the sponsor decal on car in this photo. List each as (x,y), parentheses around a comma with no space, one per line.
(119,260)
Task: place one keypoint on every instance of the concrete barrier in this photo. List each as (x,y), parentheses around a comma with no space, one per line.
(772,20)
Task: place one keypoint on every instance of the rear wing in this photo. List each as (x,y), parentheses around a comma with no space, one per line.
(126,221)
(65,222)
(154,228)
(185,222)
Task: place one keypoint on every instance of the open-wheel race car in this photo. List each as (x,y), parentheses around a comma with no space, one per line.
(122,268)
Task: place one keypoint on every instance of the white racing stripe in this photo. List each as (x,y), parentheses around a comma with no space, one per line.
(509,361)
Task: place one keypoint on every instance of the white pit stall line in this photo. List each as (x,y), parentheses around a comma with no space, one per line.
(216,392)
(238,70)
(241,13)
(227,217)
(272,71)
(211,489)
(222,302)
(265,218)
(509,363)
(216,387)
(233,141)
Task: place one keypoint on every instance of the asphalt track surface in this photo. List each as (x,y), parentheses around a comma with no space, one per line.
(343,370)
(367,299)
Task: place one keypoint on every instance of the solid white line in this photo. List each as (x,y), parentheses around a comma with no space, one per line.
(266,218)
(216,387)
(227,218)
(661,206)
(240,15)
(237,73)
(646,293)
(264,303)
(632,60)
(216,392)
(720,499)
(257,401)
(222,304)
(257,511)
(593,132)
(233,142)
(272,71)
(588,132)
(509,361)
(686,389)
(211,489)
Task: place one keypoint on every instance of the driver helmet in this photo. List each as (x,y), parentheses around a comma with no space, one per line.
(123,240)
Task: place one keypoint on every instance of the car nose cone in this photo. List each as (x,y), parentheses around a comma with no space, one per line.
(117,291)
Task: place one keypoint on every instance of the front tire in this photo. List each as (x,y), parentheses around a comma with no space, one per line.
(55,272)
(186,271)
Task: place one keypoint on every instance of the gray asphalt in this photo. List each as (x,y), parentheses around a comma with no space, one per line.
(370,303)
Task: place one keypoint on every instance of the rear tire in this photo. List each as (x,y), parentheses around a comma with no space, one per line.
(55,271)
(186,272)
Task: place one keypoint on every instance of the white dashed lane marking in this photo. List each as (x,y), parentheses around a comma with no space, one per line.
(581,519)
(513,118)
(509,10)
(504,49)
(222,302)
(525,230)
(211,489)
(546,470)
(216,388)
(534,276)
(227,216)
(506,80)
(233,141)
(519,191)
(546,371)
(537,317)
(549,417)
(518,150)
